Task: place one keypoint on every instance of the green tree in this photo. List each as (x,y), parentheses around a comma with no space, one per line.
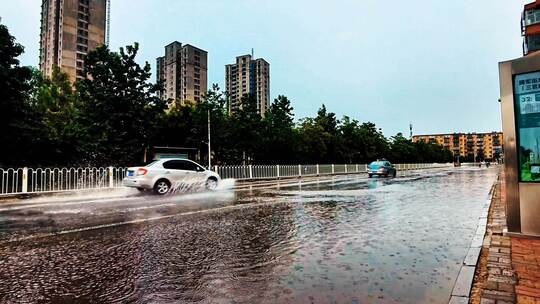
(373,145)
(402,150)
(313,146)
(278,134)
(20,125)
(176,128)
(351,140)
(58,107)
(431,153)
(330,134)
(245,127)
(213,104)
(120,109)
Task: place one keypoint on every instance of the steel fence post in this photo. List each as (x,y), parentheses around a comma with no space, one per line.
(25,180)
(333,169)
(250,171)
(110,172)
(277,171)
(317,169)
(300,170)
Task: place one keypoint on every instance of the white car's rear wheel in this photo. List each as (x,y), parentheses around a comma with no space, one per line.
(162,187)
(211,183)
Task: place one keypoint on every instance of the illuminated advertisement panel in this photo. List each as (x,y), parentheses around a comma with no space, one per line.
(527,99)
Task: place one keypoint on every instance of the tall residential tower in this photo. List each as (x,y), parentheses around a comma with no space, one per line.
(248,76)
(183,71)
(69,30)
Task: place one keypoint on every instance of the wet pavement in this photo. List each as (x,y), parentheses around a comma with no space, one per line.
(343,239)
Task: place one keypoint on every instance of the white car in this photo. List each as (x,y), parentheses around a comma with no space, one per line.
(165,175)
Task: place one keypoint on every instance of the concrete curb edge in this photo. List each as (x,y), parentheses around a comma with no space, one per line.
(464,282)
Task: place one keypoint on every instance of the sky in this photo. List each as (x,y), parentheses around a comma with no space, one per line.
(430,63)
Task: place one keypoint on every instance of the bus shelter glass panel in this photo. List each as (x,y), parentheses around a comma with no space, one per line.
(527,110)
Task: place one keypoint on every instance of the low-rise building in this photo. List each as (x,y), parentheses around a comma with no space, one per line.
(474,146)
(530,27)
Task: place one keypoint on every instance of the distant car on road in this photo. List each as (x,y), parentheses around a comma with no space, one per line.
(163,175)
(381,168)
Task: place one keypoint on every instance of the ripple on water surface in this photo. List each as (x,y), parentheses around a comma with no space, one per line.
(389,242)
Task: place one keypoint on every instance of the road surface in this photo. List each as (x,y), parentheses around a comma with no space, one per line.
(340,239)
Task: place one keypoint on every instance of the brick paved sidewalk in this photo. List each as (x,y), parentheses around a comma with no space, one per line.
(509,267)
(526,263)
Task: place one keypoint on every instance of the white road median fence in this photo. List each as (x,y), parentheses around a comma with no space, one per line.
(43,180)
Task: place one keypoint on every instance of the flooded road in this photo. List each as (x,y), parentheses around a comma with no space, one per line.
(343,239)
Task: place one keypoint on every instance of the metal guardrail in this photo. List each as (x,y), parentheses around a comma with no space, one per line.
(43,180)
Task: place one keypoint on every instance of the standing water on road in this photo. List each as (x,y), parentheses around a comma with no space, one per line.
(345,239)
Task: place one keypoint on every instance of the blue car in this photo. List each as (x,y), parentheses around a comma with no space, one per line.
(381,168)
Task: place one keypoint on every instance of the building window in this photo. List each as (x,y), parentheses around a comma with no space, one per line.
(82,25)
(532,17)
(82,40)
(82,48)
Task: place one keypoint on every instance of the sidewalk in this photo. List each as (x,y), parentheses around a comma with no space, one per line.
(509,267)
(526,262)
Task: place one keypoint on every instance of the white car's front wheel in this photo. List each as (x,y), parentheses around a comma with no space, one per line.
(211,183)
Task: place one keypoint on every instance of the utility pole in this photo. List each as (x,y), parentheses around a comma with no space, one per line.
(209,148)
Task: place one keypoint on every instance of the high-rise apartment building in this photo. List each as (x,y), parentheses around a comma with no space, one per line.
(183,71)
(487,146)
(69,30)
(248,76)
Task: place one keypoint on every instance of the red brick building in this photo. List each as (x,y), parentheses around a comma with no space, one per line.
(530,27)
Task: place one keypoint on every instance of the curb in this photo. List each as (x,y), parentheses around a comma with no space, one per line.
(464,282)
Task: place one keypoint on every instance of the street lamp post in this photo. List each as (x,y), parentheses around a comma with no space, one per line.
(209,147)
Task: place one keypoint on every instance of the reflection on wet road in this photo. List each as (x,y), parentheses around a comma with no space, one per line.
(345,239)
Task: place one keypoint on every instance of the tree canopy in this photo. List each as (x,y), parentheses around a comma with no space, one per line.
(113,115)
(17,118)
